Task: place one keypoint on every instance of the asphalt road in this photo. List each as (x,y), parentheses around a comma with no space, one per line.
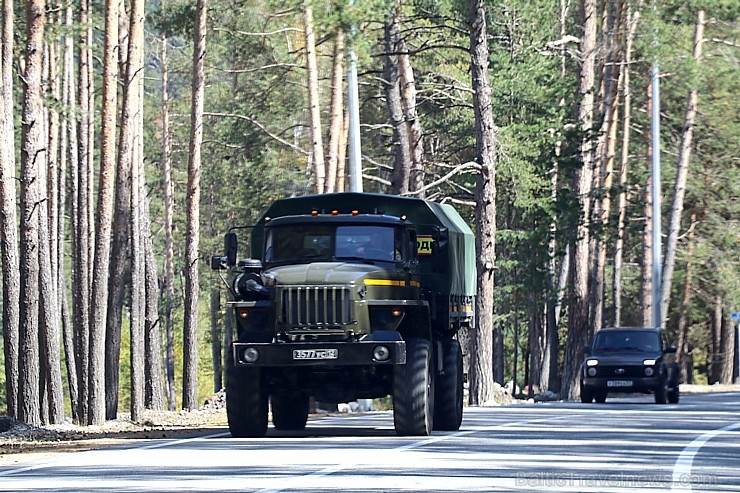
(624,445)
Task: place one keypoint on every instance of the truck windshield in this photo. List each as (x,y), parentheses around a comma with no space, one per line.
(368,242)
(297,244)
(302,244)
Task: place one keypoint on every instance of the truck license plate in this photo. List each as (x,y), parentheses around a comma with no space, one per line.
(315,354)
(619,383)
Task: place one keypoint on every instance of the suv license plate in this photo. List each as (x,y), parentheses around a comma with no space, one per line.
(619,383)
(315,354)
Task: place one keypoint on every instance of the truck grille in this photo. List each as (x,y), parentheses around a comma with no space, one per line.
(316,306)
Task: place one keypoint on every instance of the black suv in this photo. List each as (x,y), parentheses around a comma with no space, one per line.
(630,360)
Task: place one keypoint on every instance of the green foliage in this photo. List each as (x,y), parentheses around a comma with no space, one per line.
(256,137)
(175,20)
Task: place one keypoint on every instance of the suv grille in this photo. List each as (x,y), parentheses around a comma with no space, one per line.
(316,306)
(628,371)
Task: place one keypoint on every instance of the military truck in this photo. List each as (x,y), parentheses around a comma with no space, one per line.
(349,296)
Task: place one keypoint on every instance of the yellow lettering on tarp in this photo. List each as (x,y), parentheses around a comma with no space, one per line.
(424,244)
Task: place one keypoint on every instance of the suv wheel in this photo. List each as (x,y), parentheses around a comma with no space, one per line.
(600,397)
(246,400)
(673,395)
(587,396)
(413,390)
(661,391)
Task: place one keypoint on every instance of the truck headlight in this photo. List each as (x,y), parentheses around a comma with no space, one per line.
(250,355)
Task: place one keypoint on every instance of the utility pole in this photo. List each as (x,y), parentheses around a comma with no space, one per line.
(655,135)
(355,154)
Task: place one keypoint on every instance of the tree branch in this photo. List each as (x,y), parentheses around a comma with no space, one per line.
(458,169)
(261,127)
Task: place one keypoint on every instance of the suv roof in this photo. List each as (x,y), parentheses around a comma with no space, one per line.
(615,329)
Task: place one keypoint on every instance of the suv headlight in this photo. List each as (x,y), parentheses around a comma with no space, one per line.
(649,367)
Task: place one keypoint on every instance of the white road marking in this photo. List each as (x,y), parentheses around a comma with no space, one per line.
(308,478)
(682,467)
(63,457)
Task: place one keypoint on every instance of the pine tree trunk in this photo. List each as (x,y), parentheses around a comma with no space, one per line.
(216,339)
(121,247)
(715,356)
(54,153)
(81,235)
(578,314)
(154,395)
(76,358)
(481,338)
(683,348)
(190,337)
(647,248)
(401,150)
(49,314)
(727,345)
(33,158)
(314,108)
(106,191)
(608,136)
(67,149)
(337,112)
(414,133)
(536,344)
(550,378)
(342,157)
(133,104)
(168,283)
(679,190)
(8,217)
(631,23)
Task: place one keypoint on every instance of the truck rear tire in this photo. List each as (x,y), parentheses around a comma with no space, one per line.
(246,400)
(413,391)
(289,411)
(448,394)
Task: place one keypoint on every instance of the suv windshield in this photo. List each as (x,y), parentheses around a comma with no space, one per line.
(626,340)
(300,244)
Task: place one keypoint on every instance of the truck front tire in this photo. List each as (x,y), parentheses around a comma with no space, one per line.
(246,400)
(448,395)
(413,390)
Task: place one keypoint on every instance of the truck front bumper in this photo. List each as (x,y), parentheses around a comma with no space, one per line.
(369,352)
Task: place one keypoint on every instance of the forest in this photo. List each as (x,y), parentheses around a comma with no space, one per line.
(135,133)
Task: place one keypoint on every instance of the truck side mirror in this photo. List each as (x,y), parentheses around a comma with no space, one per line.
(414,255)
(441,237)
(230,248)
(218,262)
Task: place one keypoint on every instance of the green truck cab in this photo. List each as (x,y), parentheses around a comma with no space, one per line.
(349,296)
